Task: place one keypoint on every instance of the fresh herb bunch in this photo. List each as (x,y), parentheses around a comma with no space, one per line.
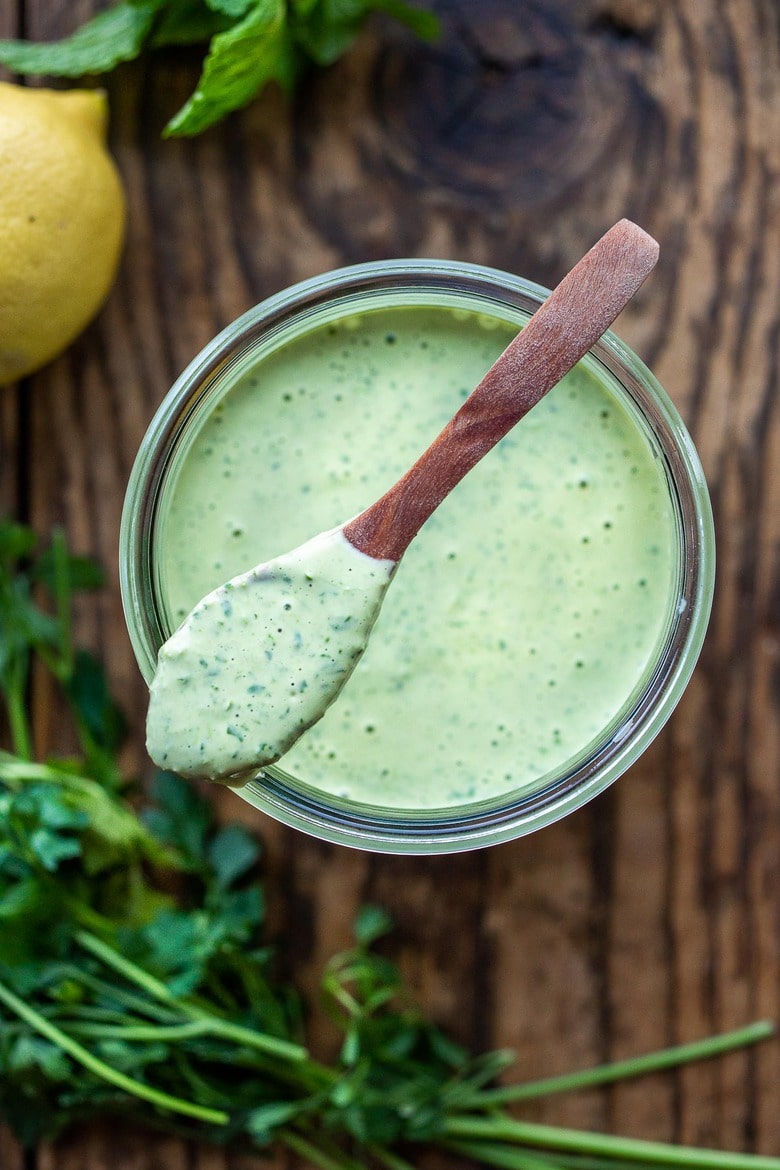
(136,977)
(251,42)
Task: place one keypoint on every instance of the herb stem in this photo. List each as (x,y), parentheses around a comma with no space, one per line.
(241,1035)
(17,722)
(134,1003)
(273,1045)
(86,915)
(392,1160)
(620,1070)
(63,598)
(506,1129)
(314,1154)
(506,1157)
(511,1158)
(86,1058)
(16,770)
(140,1033)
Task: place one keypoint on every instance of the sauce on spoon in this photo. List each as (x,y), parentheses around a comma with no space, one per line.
(261,658)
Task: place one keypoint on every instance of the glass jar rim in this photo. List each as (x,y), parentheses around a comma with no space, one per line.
(477,824)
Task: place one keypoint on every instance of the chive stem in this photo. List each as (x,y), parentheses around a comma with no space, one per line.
(506,1157)
(89,1061)
(17,722)
(620,1070)
(392,1160)
(507,1129)
(158,990)
(509,1157)
(140,1033)
(315,1154)
(63,602)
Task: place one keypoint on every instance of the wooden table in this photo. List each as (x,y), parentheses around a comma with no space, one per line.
(651,916)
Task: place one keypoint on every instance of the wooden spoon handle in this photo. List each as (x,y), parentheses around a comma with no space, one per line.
(559,333)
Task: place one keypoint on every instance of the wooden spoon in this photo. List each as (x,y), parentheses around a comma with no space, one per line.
(561,331)
(261,658)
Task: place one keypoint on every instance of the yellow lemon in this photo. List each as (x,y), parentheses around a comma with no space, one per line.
(62,218)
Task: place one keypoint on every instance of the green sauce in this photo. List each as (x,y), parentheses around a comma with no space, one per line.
(523,615)
(261,658)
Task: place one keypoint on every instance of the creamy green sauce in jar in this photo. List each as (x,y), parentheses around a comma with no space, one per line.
(524,614)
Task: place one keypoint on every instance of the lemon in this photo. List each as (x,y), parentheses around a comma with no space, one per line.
(62,217)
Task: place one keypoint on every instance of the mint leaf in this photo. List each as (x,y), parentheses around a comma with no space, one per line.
(423,23)
(189,22)
(239,63)
(110,37)
(325,29)
(235,8)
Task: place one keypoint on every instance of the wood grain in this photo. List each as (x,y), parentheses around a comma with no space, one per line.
(653,915)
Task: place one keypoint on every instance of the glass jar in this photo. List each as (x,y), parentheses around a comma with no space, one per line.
(333,301)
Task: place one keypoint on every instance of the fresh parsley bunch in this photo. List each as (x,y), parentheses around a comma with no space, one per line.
(251,42)
(136,977)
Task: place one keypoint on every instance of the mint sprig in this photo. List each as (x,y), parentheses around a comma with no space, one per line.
(240,61)
(250,43)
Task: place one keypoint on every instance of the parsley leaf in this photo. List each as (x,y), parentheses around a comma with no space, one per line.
(179,816)
(232,852)
(87,689)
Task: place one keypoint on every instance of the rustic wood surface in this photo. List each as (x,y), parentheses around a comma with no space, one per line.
(651,916)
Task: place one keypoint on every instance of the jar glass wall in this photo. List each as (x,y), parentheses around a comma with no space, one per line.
(383,350)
